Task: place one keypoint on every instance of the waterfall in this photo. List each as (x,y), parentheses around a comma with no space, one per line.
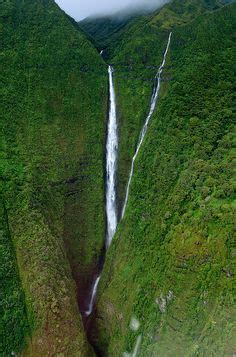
(154,99)
(111,163)
(93,296)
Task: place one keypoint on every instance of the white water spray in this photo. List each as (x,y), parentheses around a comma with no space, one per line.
(111,163)
(154,98)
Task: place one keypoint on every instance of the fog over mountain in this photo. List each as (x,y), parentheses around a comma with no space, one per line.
(80,9)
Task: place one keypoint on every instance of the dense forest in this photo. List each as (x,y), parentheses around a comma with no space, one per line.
(168,283)
(171,263)
(54,124)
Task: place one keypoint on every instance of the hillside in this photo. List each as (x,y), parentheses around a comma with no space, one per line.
(100,29)
(168,282)
(53,224)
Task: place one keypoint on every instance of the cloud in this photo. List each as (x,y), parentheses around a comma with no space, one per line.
(80,9)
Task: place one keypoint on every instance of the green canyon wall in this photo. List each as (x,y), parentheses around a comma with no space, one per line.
(54,118)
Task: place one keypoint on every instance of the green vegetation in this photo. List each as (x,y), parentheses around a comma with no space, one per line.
(136,53)
(104,30)
(12,308)
(101,29)
(54,118)
(171,265)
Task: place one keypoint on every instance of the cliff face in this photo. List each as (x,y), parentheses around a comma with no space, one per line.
(53,105)
(167,286)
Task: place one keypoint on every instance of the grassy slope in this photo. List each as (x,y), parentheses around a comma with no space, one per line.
(54,117)
(171,263)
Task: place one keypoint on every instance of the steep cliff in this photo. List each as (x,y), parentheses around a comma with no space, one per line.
(53,110)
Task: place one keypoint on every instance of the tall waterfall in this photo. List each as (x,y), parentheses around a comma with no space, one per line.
(111,163)
(154,98)
(111,166)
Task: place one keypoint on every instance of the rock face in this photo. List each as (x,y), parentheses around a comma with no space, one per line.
(170,266)
(54,120)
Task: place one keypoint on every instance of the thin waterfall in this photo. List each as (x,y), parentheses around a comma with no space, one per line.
(111,163)
(154,99)
(93,296)
(111,166)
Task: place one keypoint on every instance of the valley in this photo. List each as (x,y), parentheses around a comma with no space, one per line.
(117,201)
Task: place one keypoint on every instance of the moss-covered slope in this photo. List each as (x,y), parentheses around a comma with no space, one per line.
(53,117)
(171,266)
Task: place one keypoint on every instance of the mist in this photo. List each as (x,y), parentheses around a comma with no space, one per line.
(80,9)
